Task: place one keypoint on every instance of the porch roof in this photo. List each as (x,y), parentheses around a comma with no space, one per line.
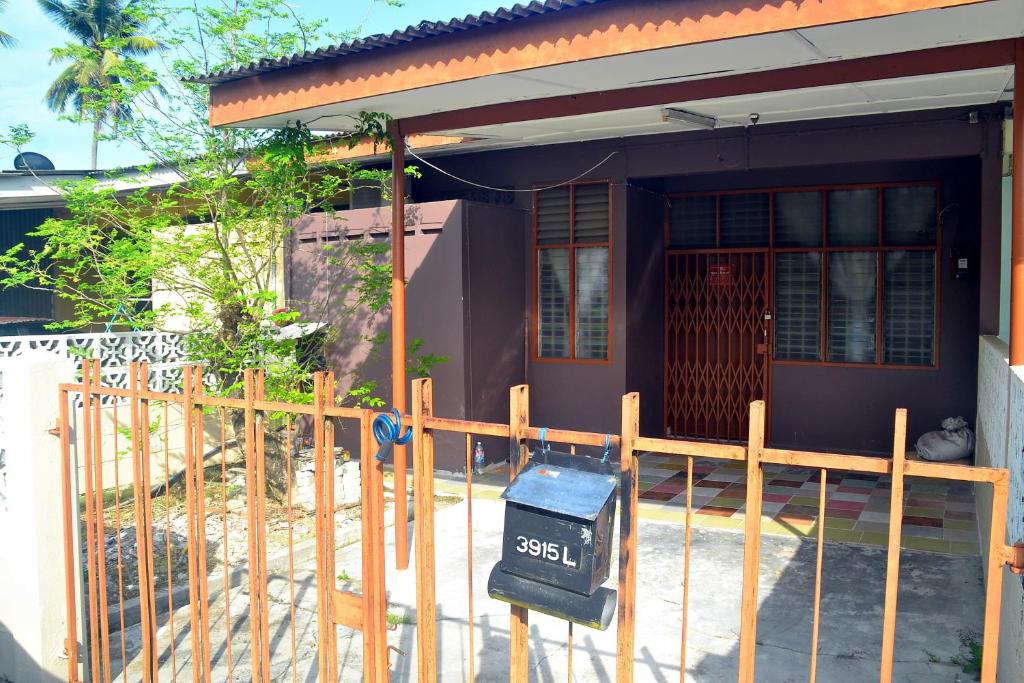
(608,69)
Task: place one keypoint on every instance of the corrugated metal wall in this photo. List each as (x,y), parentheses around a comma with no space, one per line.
(23,302)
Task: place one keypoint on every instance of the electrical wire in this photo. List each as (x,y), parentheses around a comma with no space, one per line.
(506,189)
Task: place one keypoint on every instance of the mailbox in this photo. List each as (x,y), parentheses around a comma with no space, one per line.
(556,549)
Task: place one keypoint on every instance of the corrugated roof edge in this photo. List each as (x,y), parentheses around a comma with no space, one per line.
(425,29)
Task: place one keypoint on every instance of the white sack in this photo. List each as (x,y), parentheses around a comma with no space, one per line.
(953,442)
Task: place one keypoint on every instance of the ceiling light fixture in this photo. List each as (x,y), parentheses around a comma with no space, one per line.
(684,116)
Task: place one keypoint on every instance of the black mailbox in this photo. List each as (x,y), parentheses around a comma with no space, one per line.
(557,544)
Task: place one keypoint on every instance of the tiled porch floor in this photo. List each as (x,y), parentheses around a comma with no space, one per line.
(937,515)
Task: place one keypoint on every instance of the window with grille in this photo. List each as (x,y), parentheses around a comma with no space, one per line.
(572,238)
(855,268)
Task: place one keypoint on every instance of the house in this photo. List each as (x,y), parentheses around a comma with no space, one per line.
(28,197)
(713,201)
(799,202)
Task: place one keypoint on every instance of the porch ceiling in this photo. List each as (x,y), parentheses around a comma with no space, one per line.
(820,45)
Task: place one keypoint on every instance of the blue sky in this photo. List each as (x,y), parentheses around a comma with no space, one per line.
(27,72)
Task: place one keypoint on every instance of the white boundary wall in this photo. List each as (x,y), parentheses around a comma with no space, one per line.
(33,623)
(1001,444)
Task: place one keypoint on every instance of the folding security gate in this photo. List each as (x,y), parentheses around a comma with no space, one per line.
(716,341)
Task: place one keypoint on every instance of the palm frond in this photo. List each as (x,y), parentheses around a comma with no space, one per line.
(64,88)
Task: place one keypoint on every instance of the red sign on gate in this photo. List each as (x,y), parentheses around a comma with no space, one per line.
(720,275)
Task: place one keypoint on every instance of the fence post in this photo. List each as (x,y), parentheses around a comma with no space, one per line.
(994,578)
(751,543)
(518,421)
(34,614)
(630,494)
(892,567)
(375,641)
(423,492)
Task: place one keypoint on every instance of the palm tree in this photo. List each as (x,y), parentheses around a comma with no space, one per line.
(6,39)
(93,23)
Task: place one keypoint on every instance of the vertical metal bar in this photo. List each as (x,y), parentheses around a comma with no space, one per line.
(167,541)
(200,471)
(92,617)
(255,648)
(291,547)
(423,489)
(71,555)
(147,513)
(751,544)
(188,426)
(892,568)
(332,570)
(224,540)
(817,577)
(568,637)
(398,389)
(629,467)
(142,540)
(687,538)
(262,585)
(118,549)
(994,574)
(325,626)
(469,554)
(519,420)
(101,531)
(375,645)
(568,651)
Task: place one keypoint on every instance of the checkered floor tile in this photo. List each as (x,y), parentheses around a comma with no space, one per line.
(937,515)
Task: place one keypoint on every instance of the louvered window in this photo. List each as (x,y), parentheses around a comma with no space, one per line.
(798,306)
(745,220)
(852,279)
(909,307)
(855,268)
(692,222)
(572,243)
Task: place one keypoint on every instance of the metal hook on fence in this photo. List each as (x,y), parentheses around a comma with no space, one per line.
(542,436)
(388,432)
(607,448)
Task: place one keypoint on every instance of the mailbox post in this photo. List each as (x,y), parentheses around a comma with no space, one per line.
(556,548)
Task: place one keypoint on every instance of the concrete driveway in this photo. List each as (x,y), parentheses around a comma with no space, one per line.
(940,597)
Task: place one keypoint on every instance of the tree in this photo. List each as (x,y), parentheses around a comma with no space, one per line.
(6,39)
(212,239)
(106,33)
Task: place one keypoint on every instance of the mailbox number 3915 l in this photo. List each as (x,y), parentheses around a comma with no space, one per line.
(548,550)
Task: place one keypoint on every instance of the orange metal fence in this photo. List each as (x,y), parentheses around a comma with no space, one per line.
(203,498)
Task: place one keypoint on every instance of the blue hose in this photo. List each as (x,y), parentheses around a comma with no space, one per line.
(387,429)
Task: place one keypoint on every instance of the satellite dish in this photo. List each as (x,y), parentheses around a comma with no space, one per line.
(30,161)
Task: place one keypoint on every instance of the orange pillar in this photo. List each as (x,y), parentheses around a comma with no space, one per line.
(1017,226)
(398,389)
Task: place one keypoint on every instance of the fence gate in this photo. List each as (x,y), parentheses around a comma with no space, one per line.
(208,528)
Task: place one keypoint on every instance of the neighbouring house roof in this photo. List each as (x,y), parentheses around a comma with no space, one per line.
(40,189)
(424,29)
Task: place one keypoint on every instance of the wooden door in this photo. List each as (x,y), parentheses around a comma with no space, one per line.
(716,334)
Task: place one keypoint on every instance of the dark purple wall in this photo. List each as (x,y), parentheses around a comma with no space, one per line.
(452,248)
(811,407)
(645,308)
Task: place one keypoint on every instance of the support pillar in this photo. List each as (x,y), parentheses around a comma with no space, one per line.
(1017,225)
(398,388)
